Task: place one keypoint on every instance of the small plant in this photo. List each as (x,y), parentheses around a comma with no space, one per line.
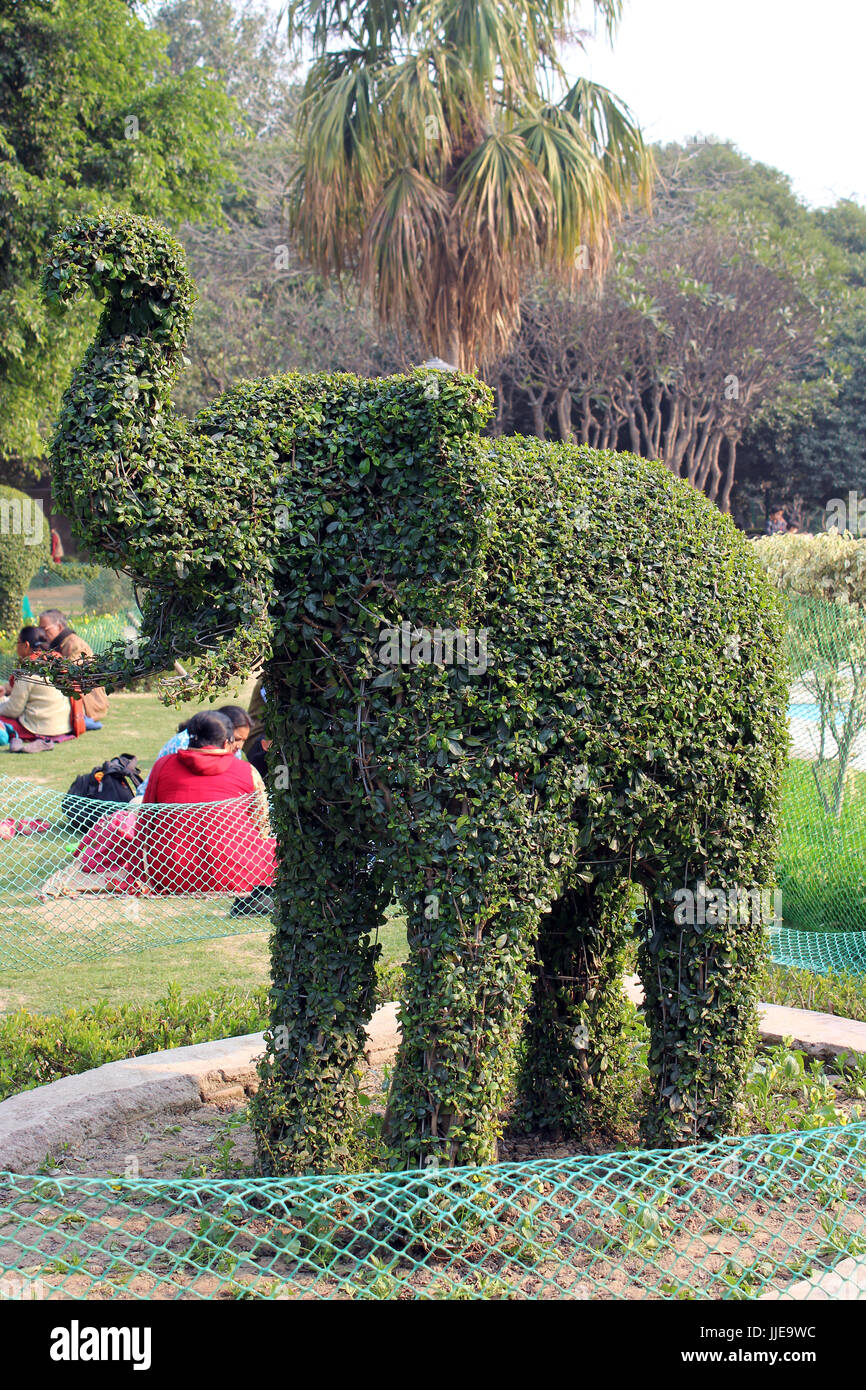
(374,1280)
(783,1094)
(838,1240)
(227,1166)
(208,1249)
(644,1228)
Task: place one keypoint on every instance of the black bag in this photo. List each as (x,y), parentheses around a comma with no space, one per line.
(118,779)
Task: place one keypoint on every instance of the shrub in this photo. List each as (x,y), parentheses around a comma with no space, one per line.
(826,566)
(38,1048)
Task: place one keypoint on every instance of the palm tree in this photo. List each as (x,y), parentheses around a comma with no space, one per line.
(438,166)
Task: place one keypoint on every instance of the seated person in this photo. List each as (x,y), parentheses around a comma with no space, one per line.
(204,849)
(33,708)
(255,744)
(68,644)
(240,722)
(196,849)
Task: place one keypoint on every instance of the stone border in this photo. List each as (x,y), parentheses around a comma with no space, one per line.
(36,1123)
(822,1036)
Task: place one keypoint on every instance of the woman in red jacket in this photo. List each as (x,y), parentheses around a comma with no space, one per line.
(219,849)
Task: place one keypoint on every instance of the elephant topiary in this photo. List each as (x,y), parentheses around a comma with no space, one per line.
(531,691)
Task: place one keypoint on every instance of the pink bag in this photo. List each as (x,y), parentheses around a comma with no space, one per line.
(110,846)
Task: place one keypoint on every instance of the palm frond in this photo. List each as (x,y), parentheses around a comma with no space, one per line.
(406,233)
(368,24)
(418,120)
(585,203)
(614,137)
(340,169)
(502,198)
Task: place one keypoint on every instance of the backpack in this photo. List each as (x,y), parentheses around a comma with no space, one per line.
(117,780)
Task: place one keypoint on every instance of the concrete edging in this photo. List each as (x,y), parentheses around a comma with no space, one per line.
(35,1123)
(822,1036)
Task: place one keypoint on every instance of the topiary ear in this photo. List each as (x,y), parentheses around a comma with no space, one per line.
(460,403)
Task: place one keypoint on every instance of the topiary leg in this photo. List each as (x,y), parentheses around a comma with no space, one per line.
(576,1074)
(466,990)
(323,957)
(700,978)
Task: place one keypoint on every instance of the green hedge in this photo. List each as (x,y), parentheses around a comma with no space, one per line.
(38,1048)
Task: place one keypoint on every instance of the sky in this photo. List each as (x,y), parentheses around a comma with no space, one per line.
(785,80)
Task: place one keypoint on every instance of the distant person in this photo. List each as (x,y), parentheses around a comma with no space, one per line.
(776,523)
(218,849)
(56,547)
(255,744)
(238,718)
(68,644)
(31,708)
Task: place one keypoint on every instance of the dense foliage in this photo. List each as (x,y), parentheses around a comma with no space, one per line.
(626,722)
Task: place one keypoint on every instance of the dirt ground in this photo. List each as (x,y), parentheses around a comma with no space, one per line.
(165,1210)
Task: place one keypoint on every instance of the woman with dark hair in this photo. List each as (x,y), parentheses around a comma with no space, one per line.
(32,709)
(239,719)
(208,849)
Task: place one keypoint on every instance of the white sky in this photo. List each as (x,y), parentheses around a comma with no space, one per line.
(785,80)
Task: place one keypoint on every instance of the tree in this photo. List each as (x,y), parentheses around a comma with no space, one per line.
(802,459)
(259,310)
(90,116)
(714,316)
(438,166)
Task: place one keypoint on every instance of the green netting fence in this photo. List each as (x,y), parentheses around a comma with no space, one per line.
(81,879)
(775,1216)
(822,868)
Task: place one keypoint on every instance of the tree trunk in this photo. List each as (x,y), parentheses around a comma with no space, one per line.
(730,465)
(563,416)
(537,404)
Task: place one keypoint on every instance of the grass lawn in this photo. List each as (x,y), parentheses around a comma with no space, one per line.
(239,961)
(822,867)
(139,724)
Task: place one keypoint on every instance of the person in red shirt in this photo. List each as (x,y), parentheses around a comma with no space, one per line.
(211,849)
